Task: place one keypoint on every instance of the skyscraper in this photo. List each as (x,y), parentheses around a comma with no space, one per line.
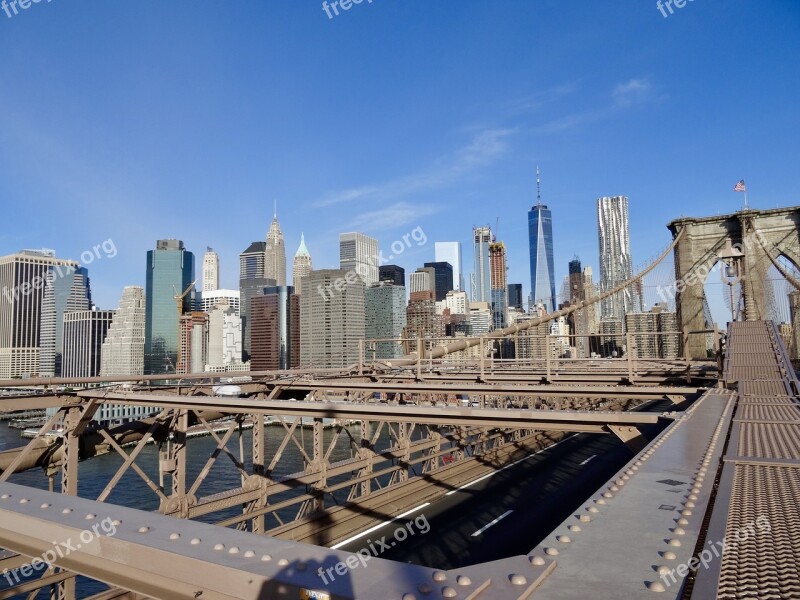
(443,278)
(359,253)
(84,334)
(422,280)
(276,330)
(515,295)
(64,291)
(540,238)
(251,261)
(301,266)
(224,338)
(275,253)
(23,277)
(331,324)
(499,298)
(392,274)
(210,270)
(615,257)
(249,289)
(481,273)
(450,252)
(170,271)
(385,318)
(213,298)
(193,356)
(123,348)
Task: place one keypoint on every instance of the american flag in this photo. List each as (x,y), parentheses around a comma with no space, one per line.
(740,187)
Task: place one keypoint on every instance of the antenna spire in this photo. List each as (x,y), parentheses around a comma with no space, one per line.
(275,216)
(538,187)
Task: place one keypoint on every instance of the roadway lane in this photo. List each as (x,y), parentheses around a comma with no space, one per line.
(507,513)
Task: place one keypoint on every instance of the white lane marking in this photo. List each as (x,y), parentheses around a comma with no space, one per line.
(497,520)
(493,473)
(588,459)
(371,529)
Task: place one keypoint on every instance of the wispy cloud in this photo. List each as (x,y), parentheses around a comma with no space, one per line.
(623,96)
(484,147)
(540,99)
(635,91)
(395,215)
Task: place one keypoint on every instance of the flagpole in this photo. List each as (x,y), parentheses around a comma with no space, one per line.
(745,196)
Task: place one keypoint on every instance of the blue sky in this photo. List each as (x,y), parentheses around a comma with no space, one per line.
(142,120)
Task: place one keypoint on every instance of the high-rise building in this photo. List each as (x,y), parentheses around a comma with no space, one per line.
(249,289)
(540,239)
(276,330)
(63,292)
(275,253)
(301,266)
(457,303)
(332,323)
(515,296)
(359,253)
(210,270)
(170,271)
(84,334)
(194,342)
(422,280)
(481,274)
(615,257)
(392,274)
(123,348)
(480,318)
(211,299)
(251,261)
(224,339)
(499,299)
(450,252)
(422,321)
(23,277)
(385,318)
(443,278)
(653,334)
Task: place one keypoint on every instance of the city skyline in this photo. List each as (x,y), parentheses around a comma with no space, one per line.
(524,92)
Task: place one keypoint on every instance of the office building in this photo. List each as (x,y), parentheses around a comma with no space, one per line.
(359,253)
(331,323)
(275,253)
(251,261)
(481,288)
(392,274)
(301,266)
(123,347)
(443,278)
(385,319)
(170,272)
(193,354)
(422,320)
(23,277)
(515,296)
(64,291)
(276,330)
(450,252)
(84,334)
(616,265)
(249,289)
(540,240)
(224,339)
(213,298)
(457,303)
(422,280)
(480,318)
(210,270)
(498,268)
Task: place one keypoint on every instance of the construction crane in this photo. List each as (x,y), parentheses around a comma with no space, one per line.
(179,302)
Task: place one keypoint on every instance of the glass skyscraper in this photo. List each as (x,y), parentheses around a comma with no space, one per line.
(616,264)
(540,237)
(170,270)
(481,273)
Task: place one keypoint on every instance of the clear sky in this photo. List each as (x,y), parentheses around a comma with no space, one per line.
(134,121)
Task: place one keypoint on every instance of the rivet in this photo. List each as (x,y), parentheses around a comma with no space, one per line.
(219,547)
(233,550)
(144,529)
(90,516)
(679,531)
(424,588)
(464,580)
(683,521)
(574,528)
(283,562)
(656,586)
(669,555)
(537,561)
(516,579)
(674,542)
(409,597)
(174,536)
(586,518)
(449,592)
(195,541)
(5,496)
(249,554)
(551,551)
(663,570)
(46,505)
(593,509)
(66,511)
(24,500)
(564,539)
(266,558)
(439,576)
